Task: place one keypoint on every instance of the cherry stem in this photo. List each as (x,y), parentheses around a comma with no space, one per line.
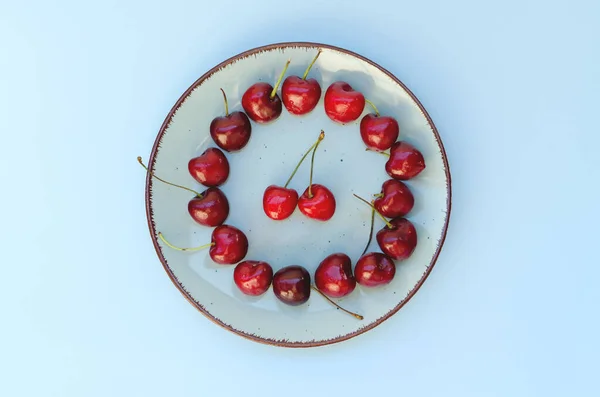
(373,207)
(370,232)
(184,249)
(321,136)
(139,159)
(373,106)
(378,195)
(274,92)
(377,151)
(225,100)
(311,65)
(357,316)
(312,163)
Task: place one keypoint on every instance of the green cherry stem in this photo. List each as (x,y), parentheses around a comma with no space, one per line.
(373,106)
(139,159)
(184,249)
(373,207)
(225,100)
(311,65)
(321,136)
(357,316)
(274,92)
(312,164)
(377,151)
(370,232)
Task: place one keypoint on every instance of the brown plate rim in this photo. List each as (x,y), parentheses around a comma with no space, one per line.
(148,196)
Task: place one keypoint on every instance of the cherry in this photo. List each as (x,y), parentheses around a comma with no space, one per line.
(317,201)
(299,95)
(374,269)
(261,102)
(291,285)
(253,277)
(405,161)
(398,238)
(228,245)
(334,276)
(211,168)
(232,131)
(280,202)
(209,208)
(395,199)
(378,132)
(342,103)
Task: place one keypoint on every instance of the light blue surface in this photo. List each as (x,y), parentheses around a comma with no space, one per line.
(511,308)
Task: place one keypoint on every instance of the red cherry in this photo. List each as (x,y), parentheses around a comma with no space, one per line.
(334,276)
(395,199)
(209,208)
(211,168)
(374,269)
(261,102)
(253,277)
(232,131)
(378,132)
(228,245)
(299,95)
(317,202)
(405,161)
(280,202)
(342,103)
(291,285)
(399,240)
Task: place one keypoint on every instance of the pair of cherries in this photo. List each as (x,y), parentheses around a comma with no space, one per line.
(316,202)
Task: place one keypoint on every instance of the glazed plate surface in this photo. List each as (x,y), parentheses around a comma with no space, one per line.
(342,164)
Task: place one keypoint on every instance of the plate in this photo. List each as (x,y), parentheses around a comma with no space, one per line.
(341,164)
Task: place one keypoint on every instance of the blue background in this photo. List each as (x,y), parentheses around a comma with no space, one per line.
(511,308)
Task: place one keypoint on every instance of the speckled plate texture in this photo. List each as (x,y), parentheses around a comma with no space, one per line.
(341,163)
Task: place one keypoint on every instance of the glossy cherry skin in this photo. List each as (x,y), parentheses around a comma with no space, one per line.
(279,202)
(405,161)
(300,96)
(253,278)
(379,132)
(334,276)
(211,168)
(231,132)
(342,103)
(211,209)
(374,269)
(398,242)
(258,104)
(320,206)
(397,199)
(230,245)
(291,285)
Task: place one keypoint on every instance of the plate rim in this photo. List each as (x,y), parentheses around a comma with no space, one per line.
(152,228)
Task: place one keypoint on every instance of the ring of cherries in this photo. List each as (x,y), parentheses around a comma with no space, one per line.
(334,277)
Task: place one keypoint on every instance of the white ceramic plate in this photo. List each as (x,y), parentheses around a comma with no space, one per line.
(342,164)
